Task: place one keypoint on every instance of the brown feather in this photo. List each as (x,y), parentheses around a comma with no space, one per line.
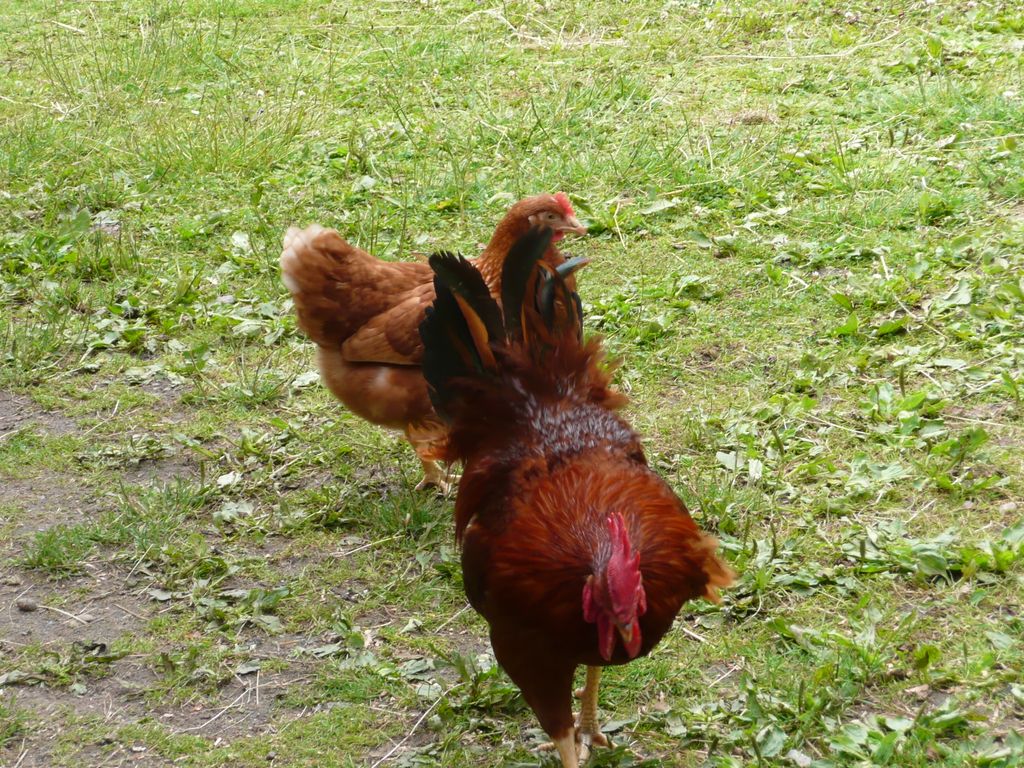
(364,315)
(478,331)
(393,335)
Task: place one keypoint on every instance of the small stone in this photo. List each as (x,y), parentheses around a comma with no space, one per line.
(12,581)
(86,617)
(919,692)
(1007,507)
(271,756)
(26,604)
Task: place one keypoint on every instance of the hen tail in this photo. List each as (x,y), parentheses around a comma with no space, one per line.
(311,262)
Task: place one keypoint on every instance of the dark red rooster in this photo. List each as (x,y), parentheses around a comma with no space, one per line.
(572,548)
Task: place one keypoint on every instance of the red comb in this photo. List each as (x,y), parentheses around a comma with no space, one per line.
(563,200)
(623,569)
(617,529)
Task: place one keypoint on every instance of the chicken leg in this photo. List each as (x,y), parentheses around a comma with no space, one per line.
(434,477)
(567,750)
(588,729)
(574,747)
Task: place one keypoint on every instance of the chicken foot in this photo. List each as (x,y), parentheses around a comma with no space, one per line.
(421,437)
(434,477)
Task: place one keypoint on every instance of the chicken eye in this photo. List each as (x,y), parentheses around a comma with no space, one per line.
(550,216)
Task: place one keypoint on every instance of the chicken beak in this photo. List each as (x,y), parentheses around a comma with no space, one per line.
(572,224)
(630,634)
(625,632)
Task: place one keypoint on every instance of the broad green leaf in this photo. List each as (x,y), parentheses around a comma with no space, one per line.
(892,326)
(848,328)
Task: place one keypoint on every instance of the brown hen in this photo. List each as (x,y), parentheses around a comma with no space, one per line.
(364,314)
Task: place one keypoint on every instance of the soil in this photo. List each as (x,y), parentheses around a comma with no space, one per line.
(18,412)
(76,707)
(94,613)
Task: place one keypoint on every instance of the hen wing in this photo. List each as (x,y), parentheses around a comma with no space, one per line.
(392,336)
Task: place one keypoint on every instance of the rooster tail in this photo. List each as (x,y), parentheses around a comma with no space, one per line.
(538,304)
(517,274)
(465,329)
(459,328)
(472,350)
(543,314)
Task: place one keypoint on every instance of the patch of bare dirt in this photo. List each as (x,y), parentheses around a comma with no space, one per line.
(91,609)
(716,356)
(999,420)
(60,623)
(49,629)
(46,500)
(92,613)
(250,703)
(160,471)
(753,117)
(165,389)
(18,412)
(168,407)
(113,701)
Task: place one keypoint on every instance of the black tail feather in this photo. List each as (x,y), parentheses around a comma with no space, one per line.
(516,274)
(464,280)
(570,265)
(445,341)
(453,344)
(464,327)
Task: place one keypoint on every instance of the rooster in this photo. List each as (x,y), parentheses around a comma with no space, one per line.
(363,315)
(573,549)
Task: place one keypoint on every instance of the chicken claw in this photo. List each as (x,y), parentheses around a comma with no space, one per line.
(574,747)
(435,477)
(588,729)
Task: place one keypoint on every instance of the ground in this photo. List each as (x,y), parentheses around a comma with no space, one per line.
(807,241)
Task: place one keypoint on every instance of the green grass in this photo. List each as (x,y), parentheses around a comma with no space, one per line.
(13,722)
(807,236)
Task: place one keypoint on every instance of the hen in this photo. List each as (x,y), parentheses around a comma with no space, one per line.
(364,314)
(573,549)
